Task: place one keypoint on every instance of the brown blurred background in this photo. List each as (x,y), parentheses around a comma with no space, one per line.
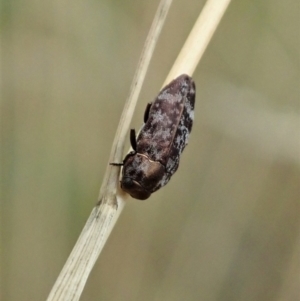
(226,227)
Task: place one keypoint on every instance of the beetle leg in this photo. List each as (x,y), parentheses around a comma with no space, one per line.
(133,139)
(146,114)
(117,164)
(133,145)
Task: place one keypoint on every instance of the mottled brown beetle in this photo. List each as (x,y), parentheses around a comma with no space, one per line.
(157,149)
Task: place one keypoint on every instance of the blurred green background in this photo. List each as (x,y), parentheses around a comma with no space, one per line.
(226,227)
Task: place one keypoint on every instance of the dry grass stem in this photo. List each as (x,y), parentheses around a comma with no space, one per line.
(71,281)
(198,39)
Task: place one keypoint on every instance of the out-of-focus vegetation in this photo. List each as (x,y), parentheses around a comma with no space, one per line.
(226,227)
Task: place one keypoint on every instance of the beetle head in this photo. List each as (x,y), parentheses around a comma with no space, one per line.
(141,176)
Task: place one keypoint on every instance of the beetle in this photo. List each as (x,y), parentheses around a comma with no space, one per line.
(156,150)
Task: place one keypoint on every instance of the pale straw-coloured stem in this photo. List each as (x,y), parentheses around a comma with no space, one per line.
(71,281)
(198,39)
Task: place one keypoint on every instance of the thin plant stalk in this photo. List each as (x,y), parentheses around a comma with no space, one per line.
(71,281)
(198,39)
